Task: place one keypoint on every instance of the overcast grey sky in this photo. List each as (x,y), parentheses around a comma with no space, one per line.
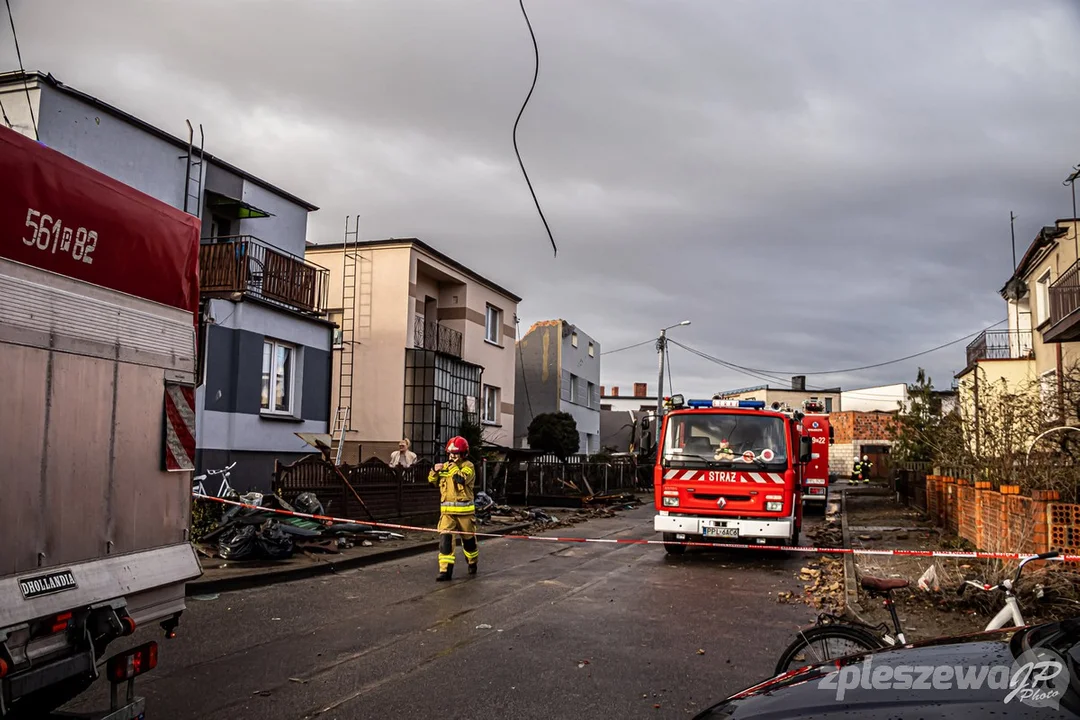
(815,185)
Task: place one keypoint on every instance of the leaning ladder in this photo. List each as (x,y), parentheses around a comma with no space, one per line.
(337,435)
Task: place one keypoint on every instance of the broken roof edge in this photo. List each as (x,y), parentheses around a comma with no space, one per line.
(16,76)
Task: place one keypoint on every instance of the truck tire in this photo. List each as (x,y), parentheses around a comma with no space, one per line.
(672,546)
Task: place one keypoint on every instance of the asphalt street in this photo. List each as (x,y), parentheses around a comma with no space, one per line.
(544,630)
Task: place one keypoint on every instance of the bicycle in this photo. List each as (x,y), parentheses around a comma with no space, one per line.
(862,637)
(223,489)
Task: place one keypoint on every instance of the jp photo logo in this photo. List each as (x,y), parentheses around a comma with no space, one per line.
(1037,678)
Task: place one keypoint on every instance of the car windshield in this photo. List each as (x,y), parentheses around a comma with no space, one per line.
(725,438)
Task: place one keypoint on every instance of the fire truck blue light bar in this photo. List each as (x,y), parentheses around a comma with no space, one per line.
(751,404)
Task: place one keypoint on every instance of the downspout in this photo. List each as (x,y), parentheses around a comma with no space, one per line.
(976,408)
(330,409)
(1060,387)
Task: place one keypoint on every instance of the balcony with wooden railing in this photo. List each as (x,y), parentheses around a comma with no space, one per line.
(244,265)
(1065,307)
(1000,345)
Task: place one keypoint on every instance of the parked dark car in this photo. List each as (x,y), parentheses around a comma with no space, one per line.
(1023,658)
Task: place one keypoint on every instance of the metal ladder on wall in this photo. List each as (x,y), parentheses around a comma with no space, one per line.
(348,331)
(194,162)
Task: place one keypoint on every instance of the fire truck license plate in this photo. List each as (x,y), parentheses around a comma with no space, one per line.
(721,532)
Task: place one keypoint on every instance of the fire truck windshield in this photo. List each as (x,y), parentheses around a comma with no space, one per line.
(725,438)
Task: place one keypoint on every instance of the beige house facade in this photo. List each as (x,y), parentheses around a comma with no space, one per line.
(1039,347)
(424,341)
(792,397)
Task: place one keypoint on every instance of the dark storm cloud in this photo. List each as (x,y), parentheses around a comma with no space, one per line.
(814,185)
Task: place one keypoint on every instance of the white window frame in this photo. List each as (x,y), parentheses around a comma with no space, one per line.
(592,350)
(484,417)
(573,389)
(589,389)
(573,339)
(290,378)
(492,325)
(1042,298)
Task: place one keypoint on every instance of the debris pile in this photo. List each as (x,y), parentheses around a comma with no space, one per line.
(487,512)
(252,533)
(829,534)
(823,585)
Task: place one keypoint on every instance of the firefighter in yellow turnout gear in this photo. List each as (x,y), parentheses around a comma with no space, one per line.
(456,481)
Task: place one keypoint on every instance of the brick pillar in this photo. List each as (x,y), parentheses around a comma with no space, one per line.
(981,486)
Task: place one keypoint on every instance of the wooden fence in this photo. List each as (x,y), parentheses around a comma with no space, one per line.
(390,494)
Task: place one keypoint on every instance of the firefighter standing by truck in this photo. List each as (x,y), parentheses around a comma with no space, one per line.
(456,481)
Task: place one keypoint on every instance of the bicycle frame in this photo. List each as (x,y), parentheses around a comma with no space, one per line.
(223,488)
(1011,611)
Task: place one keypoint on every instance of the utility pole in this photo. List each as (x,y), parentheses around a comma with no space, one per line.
(1012,231)
(1071,180)
(1013,281)
(661,348)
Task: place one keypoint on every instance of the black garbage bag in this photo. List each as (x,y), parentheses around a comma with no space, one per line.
(274,543)
(307,503)
(239,544)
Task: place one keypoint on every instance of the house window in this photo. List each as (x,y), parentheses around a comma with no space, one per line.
(573,339)
(573,389)
(277,377)
(828,405)
(492,323)
(589,398)
(1042,298)
(592,350)
(491,405)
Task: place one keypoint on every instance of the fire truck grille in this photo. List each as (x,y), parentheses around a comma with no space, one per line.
(713,498)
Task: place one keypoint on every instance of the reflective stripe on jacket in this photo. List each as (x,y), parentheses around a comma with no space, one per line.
(456,482)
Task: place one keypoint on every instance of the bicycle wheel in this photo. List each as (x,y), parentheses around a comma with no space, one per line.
(826,642)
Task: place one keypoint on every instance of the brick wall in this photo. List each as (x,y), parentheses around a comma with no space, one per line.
(1003,520)
(854,426)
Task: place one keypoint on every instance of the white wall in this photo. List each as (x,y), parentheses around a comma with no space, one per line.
(882,397)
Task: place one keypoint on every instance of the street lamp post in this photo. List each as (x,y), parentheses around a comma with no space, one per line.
(661,346)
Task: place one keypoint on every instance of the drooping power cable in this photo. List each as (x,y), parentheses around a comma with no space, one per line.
(536,74)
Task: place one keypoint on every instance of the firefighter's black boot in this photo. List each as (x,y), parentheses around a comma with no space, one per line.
(472,568)
(446,574)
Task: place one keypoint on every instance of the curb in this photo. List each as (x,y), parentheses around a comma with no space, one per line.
(851,591)
(303,572)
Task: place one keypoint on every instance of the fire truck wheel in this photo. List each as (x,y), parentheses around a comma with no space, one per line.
(672,546)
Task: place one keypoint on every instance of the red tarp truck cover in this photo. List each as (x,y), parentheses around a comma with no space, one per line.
(60,215)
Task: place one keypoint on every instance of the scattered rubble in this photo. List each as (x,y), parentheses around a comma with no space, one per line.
(254,533)
(487,513)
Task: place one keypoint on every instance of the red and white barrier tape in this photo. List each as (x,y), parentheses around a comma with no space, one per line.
(635,541)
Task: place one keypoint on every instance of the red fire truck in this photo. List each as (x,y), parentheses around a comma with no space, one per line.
(729,470)
(815,488)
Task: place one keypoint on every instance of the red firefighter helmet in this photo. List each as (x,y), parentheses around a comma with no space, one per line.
(458,445)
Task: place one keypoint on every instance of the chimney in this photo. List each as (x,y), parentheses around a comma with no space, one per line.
(798,383)
(603,391)
(615,391)
(641,390)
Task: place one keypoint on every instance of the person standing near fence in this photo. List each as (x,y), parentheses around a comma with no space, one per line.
(456,481)
(403,457)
